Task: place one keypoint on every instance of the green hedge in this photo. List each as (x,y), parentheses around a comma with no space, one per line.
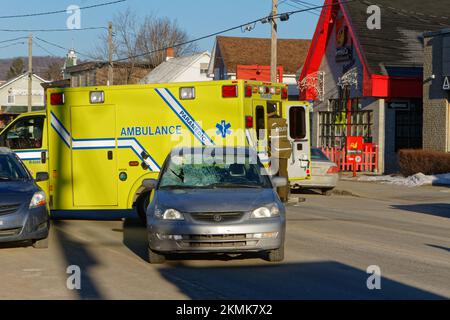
(427,162)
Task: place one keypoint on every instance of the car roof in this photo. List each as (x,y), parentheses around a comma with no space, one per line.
(4,150)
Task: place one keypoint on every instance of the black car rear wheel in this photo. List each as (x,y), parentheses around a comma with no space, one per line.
(141,206)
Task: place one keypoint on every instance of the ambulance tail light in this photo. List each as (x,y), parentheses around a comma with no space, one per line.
(57,99)
(97,97)
(187,93)
(229,91)
(284,93)
(248,122)
(248,91)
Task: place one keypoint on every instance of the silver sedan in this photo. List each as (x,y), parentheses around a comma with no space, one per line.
(214,206)
(324,173)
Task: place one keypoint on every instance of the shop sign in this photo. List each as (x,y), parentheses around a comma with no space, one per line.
(344,50)
(446,85)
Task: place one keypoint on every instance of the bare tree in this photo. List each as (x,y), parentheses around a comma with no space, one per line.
(53,71)
(156,34)
(143,42)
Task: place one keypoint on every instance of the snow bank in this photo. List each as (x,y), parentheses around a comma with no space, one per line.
(419,179)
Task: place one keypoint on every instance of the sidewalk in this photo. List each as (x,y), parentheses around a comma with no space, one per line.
(383,191)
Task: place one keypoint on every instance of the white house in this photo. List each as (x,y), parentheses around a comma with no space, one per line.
(14,94)
(181,69)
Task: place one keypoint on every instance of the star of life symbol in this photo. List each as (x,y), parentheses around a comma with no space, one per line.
(223,128)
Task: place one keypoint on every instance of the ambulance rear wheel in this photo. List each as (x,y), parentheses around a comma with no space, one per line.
(141,206)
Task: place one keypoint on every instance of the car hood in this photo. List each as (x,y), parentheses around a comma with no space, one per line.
(16,191)
(215,200)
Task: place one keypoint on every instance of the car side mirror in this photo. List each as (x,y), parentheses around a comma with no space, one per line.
(279,182)
(149,183)
(42,176)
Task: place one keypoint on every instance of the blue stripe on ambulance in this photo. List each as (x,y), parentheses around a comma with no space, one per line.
(60,130)
(102,143)
(178,109)
(30,155)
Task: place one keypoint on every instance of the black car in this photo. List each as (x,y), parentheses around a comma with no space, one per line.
(24,214)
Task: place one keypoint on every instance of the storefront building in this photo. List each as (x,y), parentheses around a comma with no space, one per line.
(436,94)
(364,72)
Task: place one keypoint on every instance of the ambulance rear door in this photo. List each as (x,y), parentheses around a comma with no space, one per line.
(297,116)
(94,156)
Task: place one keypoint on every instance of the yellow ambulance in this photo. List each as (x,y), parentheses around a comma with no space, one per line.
(99,144)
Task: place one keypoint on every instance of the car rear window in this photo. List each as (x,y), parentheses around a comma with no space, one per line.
(317,154)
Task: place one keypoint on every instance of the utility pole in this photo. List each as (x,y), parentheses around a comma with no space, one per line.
(110,55)
(30,72)
(273,57)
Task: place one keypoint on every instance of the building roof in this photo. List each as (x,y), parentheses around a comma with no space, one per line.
(256,51)
(170,69)
(8,83)
(91,65)
(399,42)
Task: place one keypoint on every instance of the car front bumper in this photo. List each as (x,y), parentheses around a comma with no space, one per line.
(249,236)
(24,224)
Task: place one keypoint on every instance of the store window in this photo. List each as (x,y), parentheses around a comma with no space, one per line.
(344,120)
(408,127)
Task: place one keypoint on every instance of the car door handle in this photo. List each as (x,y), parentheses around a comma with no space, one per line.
(110,155)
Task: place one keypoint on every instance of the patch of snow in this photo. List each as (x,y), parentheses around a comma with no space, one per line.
(419,179)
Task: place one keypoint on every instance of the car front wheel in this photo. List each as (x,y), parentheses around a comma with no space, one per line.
(40,244)
(155,257)
(276,255)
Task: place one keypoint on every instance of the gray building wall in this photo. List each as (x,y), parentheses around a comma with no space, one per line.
(436,122)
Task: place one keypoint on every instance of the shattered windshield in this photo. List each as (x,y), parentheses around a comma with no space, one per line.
(211,174)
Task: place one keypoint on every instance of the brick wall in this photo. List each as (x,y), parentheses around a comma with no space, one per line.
(435,99)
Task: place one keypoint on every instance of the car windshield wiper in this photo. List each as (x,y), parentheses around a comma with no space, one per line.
(234,185)
(180,187)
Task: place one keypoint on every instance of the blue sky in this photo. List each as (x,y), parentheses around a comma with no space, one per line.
(196,17)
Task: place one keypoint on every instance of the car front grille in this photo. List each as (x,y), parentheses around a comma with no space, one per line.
(215,237)
(10,232)
(8,209)
(217,217)
(217,241)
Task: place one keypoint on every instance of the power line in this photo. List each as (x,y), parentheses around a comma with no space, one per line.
(12,44)
(19,38)
(64,48)
(48,52)
(262,20)
(52,30)
(299,6)
(60,11)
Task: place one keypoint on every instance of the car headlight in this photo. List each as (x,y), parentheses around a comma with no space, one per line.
(38,200)
(266,212)
(168,214)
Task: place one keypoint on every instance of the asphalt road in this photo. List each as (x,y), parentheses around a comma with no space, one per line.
(330,243)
